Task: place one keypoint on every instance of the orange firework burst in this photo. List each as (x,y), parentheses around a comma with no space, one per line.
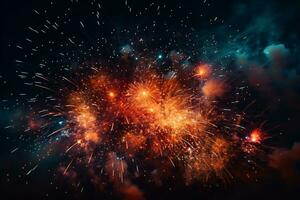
(156,118)
(203,71)
(174,126)
(256,136)
(163,120)
(163,103)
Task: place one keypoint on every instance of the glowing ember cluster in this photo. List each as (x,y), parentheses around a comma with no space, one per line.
(150,123)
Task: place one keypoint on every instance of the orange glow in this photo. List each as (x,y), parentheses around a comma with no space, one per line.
(202,71)
(151,110)
(111,94)
(145,93)
(213,88)
(256,136)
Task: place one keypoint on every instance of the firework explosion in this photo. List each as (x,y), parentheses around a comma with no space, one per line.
(121,116)
(145,125)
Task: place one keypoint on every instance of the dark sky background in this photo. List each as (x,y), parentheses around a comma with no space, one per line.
(268,59)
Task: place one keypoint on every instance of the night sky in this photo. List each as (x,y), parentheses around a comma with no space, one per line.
(254,44)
